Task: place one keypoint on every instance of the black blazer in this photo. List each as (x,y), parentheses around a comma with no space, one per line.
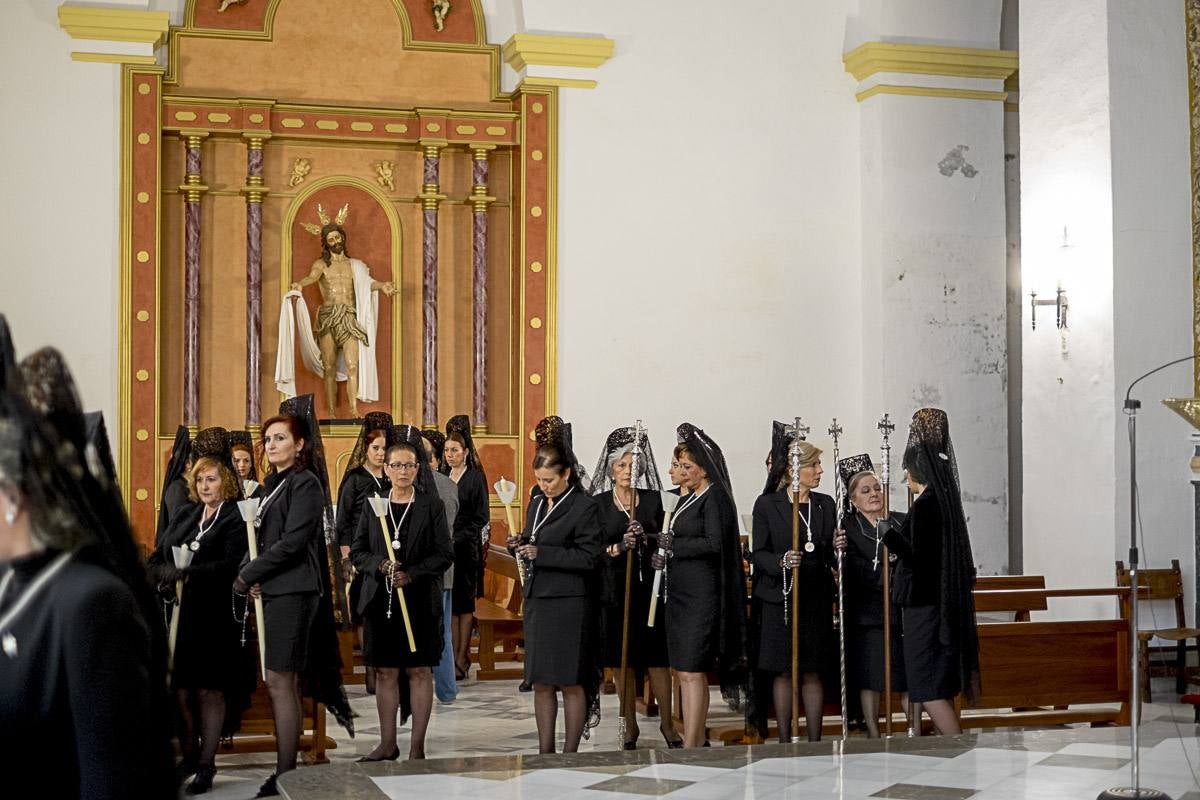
(772,537)
(472,506)
(290,536)
(568,544)
(426,557)
(357,486)
(918,543)
(863,580)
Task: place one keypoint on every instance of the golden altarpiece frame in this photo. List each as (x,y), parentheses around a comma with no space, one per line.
(265,111)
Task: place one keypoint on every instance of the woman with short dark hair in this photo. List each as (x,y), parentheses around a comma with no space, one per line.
(420,538)
(561,549)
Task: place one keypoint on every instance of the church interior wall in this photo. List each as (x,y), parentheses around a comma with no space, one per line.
(716,259)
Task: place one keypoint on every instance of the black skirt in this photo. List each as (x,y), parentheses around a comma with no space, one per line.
(930,667)
(467,556)
(693,614)
(647,646)
(385,641)
(817,650)
(289,620)
(559,640)
(208,647)
(864,657)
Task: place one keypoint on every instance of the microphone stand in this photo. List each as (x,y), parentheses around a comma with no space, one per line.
(1135,790)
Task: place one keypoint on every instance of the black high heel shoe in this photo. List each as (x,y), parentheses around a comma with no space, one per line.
(395,754)
(268,789)
(203,780)
(673,744)
(630,744)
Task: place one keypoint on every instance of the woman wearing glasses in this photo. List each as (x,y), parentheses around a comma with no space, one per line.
(420,542)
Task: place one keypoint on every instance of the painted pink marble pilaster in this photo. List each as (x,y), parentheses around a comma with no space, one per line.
(254,169)
(479,298)
(191,296)
(429,315)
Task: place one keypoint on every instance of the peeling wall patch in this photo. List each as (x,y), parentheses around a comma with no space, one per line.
(955,161)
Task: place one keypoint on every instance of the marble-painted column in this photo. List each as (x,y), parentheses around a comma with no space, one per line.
(479,205)
(430,198)
(254,191)
(193,189)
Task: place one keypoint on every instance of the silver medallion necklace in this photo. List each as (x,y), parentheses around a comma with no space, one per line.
(8,642)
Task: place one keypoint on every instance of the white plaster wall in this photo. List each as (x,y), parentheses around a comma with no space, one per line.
(1152,283)
(61,172)
(709,227)
(1068,382)
(934,267)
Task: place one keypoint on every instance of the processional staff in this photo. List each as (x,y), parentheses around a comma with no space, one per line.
(798,431)
(886,426)
(633,498)
(835,431)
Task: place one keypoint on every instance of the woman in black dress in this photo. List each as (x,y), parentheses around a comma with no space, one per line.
(935,574)
(83,683)
(704,589)
(561,549)
(812,600)
(174,497)
(287,575)
(461,463)
(364,477)
(863,589)
(209,664)
(420,537)
(636,531)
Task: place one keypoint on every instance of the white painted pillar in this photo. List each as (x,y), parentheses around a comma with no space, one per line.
(934,241)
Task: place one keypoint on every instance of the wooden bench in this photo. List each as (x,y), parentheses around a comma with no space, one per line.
(1063,663)
(498,618)
(1008,594)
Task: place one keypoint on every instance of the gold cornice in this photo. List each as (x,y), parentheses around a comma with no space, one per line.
(526,49)
(931,91)
(562,83)
(927,59)
(113,58)
(114,24)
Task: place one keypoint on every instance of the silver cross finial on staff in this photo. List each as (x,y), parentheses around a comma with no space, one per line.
(798,430)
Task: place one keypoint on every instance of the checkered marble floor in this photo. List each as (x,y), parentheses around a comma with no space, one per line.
(484,745)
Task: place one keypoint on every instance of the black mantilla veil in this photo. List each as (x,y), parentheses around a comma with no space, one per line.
(780,442)
(73,508)
(553,431)
(847,470)
(438,440)
(618,443)
(373,421)
(9,372)
(181,454)
(732,660)
(216,443)
(411,435)
(931,452)
(245,440)
(461,424)
(322,680)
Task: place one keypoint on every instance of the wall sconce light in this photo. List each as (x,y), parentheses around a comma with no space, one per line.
(1060,308)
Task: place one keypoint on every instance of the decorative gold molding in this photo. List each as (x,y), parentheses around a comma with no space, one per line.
(927,59)
(526,49)
(931,91)
(563,83)
(114,58)
(114,24)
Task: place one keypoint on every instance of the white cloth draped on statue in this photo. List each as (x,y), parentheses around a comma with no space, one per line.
(294,318)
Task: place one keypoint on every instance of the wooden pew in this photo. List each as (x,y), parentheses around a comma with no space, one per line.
(1063,663)
(498,618)
(1003,594)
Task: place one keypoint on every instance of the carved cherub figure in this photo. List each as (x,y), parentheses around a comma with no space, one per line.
(440,9)
(227,3)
